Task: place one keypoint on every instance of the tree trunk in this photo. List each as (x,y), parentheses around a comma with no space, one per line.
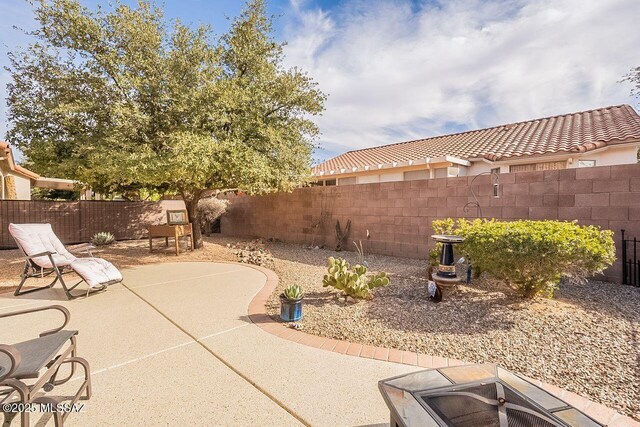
(194,219)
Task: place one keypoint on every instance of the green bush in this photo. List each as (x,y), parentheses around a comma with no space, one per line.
(102,238)
(352,281)
(532,256)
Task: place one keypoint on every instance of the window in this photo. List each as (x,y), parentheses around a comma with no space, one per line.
(416,175)
(586,163)
(368,179)
(547,166)
(495,170)
(453,171)
(330,182)
(347,181)
(440,173)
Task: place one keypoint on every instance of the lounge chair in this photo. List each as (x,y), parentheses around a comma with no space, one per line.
(38,361)
(45,255)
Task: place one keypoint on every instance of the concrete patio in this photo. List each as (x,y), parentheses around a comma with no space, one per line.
(174,346)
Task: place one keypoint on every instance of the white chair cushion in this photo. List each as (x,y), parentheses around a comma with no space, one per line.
(38,238)
(96,271)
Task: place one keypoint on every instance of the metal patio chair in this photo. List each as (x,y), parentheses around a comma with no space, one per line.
(45,255)
(29,369)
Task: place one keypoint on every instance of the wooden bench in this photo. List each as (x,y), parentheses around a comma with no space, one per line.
(166,231)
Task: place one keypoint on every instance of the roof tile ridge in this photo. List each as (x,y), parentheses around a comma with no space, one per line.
(626,106)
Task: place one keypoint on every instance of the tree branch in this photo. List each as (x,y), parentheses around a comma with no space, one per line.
(275,110)
(106,70)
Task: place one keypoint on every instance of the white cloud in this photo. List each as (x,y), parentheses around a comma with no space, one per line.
(396,72)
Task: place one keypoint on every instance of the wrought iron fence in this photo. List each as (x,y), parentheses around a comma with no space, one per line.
(630,264)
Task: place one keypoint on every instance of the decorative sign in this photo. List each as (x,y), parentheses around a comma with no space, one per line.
(177,217)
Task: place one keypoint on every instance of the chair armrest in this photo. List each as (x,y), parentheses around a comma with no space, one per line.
(47,253)
(82,248)
(14,356)
(60,308)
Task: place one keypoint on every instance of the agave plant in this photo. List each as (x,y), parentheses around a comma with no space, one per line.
(293,292)
(103,238)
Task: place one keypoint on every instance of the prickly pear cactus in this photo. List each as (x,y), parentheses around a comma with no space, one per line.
(378,280)
(352,281)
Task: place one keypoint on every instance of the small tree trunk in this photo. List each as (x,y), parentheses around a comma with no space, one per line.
(194,219)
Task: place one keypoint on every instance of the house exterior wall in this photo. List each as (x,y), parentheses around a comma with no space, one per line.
(23,186)
(398,215)
(612,156)
(606,157)
(479,167)
(21,182)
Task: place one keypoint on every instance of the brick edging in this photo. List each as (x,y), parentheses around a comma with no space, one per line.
(257,314)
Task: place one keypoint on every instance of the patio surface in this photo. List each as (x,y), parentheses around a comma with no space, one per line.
(174,346)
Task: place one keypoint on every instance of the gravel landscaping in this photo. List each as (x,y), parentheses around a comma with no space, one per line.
(587,340)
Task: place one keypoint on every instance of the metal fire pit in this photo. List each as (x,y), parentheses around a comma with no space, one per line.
(475,396)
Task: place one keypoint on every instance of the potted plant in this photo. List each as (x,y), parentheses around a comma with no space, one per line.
(291,304)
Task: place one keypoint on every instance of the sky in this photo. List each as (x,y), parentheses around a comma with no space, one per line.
(397,70)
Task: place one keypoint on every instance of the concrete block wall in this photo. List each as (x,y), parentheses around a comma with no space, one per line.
(398,215)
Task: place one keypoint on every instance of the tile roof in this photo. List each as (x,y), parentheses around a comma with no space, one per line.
(574,132)
(5,151)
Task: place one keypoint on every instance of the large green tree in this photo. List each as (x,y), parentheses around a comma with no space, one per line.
(121,98)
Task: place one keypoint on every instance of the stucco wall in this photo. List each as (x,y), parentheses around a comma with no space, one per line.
(605,157)
(23,186)
(22,183)
(609,157)
(479,167)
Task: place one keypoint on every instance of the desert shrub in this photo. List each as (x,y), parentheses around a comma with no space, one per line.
(210,209)
(102,238)
(352,281)
(532,256)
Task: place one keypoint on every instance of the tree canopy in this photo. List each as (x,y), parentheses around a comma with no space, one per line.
(634,77)
(124,99)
